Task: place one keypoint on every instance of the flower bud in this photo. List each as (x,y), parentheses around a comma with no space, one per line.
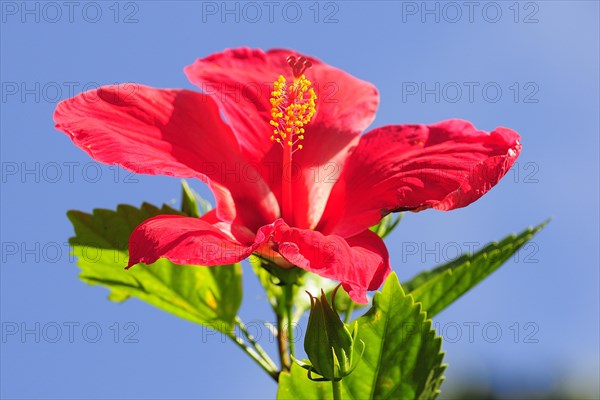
(328,342)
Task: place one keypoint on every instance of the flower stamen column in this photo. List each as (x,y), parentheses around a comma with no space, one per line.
(293,106)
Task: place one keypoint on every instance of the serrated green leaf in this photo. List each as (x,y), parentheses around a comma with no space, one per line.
(402,358)
(438,288)
(206,295)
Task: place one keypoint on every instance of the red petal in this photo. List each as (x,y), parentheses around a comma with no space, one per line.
(168,132)
(413,167)
(361,263)
(368,241)
(185,240)
(241,81)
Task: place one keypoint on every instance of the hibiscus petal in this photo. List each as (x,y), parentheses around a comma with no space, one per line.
(413,167)
(185,240)
(168,132)
(368,241)
(241,80)
(361,263)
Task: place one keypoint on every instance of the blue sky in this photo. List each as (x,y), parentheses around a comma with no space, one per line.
(532,66)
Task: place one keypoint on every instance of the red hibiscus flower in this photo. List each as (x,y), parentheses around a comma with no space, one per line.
(293,179)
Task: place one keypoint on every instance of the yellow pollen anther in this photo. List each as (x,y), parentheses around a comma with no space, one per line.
(293,105)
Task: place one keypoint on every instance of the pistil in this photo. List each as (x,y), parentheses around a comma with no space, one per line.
(293,106)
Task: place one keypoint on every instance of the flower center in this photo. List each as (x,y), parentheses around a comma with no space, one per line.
(292,107)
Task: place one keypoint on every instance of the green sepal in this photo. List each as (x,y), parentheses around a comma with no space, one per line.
(311,282)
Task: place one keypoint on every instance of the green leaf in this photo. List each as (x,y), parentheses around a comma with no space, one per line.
(192,204)
(438,288)
(386,225)
(206,295)
(402,359)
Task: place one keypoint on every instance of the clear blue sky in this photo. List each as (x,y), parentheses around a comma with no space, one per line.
(543,56)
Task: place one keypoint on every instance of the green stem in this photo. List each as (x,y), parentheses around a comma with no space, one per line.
(261,352)
(282,345)
(254,355)
(289,297)
(337,389)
